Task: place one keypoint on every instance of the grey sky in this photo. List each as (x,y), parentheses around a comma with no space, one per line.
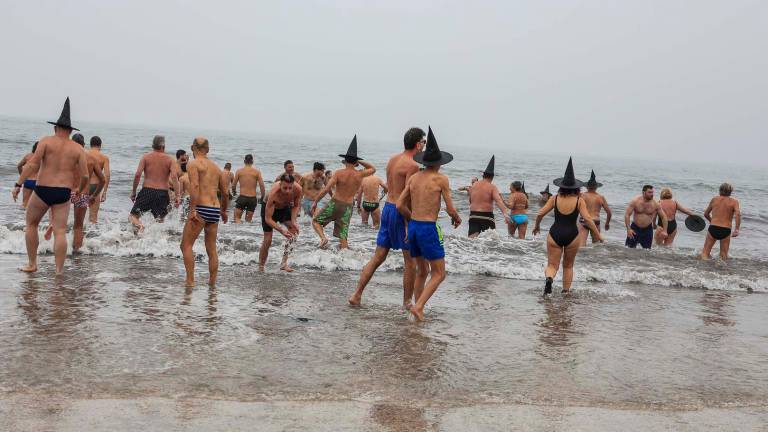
(652,77)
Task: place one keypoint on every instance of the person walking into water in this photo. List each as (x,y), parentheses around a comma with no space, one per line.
(345,183)
(311,184)
(82,201)
(563,240)
(518,205)
(400,168)
(207,182)
(368,199)
(102,164)
(670,207)
(482,196)
(643,209)
(157,168)
(56,159)
(248,178)
(721,212)
(282,207)
(595,204)
(420,205)
(29,183)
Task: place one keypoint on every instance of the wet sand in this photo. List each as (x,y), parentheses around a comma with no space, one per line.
(120,344)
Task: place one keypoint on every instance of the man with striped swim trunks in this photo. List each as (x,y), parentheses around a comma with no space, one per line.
(207,182)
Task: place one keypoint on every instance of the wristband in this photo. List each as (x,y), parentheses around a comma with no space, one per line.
(17,185)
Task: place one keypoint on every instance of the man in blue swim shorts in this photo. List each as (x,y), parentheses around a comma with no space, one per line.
(420,205)
(392,230)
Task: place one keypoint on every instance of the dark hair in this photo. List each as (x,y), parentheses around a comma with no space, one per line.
(34,147)
(516,185)
(79,138)
(286,163)
(412,137)
(227,165)
(95,141)
(328,172)
(248,159)
(318,166)
(646,187)
(286,178)
(184,167)
(487,176)
(350,160)
(566,192)
(180,153)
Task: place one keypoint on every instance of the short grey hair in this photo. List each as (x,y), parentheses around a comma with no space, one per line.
(158,142)
(726,189)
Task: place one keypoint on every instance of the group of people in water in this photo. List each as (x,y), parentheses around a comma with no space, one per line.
(59,171)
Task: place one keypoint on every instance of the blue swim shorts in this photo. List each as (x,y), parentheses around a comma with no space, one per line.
(392,229)
(426,240)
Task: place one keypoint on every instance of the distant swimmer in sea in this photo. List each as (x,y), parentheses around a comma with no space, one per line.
(81,201)
(482,196)
(368,199)
(157,168)
(518,205)
(281,207)
(312,183)
(346,183)
(595,204)
(645,209)
(544,196)
(670,207)
(54,161)
(420,205)
(720,213)
(103,166)
(563,240)
(400,168)
(29,183)
(207,182)
(290,169)
(249,178)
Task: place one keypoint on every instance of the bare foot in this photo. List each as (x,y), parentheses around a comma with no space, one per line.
(323,244)
(285,268)
(407,305)
(28,269)
(189,283)
(418,314)
(261,268)
(354,299)
(48,233)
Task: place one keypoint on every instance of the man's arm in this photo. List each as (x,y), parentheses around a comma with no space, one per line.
(102,181)
(261,186)
(737,213)
(20,165)
(608,213)
(368,170)
(224,180)
(175,179)
(708,211)
(234,182)
(449,208)
(500,203)
(404,202)
(627,215)
(663,217)
(82,167)
(137,177)
(543,212)
(107,178)
(298,193)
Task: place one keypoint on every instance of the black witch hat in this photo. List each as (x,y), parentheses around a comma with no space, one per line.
(489,169)
(64,120)
(546,190)
(569,180)
(523,189)
(593,183)
(432,156)
(352,150)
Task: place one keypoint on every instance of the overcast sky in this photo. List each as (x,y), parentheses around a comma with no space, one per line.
(657,78)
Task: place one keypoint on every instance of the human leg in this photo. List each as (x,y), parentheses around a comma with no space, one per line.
(436,277)
(188,237)
(36,209)
(378,258)
(59,217)
(266,243)
(211,233)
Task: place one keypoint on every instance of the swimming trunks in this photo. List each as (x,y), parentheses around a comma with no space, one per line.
(481,221)
(392,229)
(426,240)
(564,230)
(53,195)
(279,215)
(520,219)
(671,225)
(585,225)
(208,214)
(306,206)
(718,232)
(370,207)
(92,188)
(80,200)
(247,203)
(643,236)
(30,184)
(151,200)
(339,213)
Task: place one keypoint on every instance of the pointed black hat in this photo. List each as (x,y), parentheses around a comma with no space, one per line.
(593,183)
(352,150)
(569,180)
(489,169)
(523,189)
(64,120)
(432,156)
(546,190)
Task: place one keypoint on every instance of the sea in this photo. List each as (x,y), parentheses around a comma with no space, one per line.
(649,339)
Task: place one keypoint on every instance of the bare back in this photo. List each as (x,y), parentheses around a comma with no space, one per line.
(248,179)
(209,179)
(157,168)
(723,209)
(60,159)
(518,203)
(669,207)
(594,202)
(481,196)
(347,181)
(399,168)
(100,160)
(426,188)
(370,186)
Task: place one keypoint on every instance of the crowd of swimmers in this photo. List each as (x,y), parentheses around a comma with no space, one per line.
(59,172)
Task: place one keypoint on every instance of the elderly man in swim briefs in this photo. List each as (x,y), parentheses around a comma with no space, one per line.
(482,196)
(720,213)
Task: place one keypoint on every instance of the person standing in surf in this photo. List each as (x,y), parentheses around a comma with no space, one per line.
(563,240)
(645,209)
(158,168)
(544,196)
(518,206)
(281,207)
(420,205)
(82,201)
(207,182)
(595,204)
(400,168)
(54,161)
(721,212)
(102,164)
(670,207)
(482,196)
(29,183)
(249,179)
(345,183)
(368,198)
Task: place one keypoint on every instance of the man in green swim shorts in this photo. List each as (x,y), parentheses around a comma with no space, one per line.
(345,184)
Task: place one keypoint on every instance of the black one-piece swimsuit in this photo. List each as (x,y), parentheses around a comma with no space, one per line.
(564,230)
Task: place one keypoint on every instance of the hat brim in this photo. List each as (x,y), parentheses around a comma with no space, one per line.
(445,158)
(349,156)
(594,185)
(543,192)
(489,173)
(64,126)
(695,223)
(559,183)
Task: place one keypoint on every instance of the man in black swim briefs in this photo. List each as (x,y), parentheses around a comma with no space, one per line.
(720,213)
(645,209)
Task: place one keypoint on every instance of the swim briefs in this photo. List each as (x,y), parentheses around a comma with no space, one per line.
(208,214)
(79,200)
(53,195)
(718,232)
(370,207)
(520,219)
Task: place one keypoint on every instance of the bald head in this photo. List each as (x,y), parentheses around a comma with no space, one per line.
(200,144)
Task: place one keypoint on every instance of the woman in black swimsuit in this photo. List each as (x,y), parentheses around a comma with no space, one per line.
(562,241)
